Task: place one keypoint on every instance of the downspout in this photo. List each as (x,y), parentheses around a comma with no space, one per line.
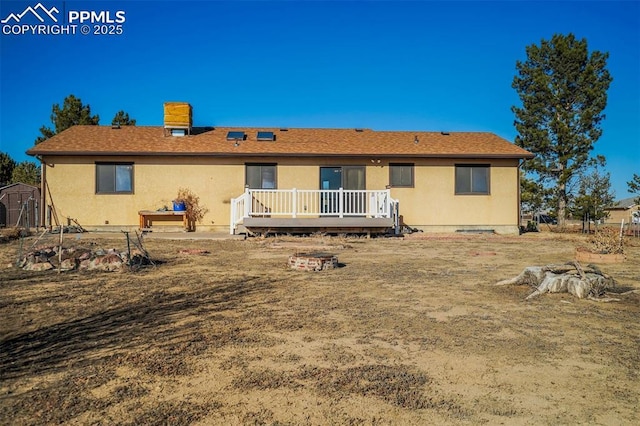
(43,191)
(520,163)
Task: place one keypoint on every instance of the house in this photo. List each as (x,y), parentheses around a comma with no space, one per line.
(19,205)
(625,209)
(289,179)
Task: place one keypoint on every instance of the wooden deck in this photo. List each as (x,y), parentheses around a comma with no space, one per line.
(331,225)
(304,211)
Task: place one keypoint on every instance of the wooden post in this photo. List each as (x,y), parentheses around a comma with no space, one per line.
(60,250)
(247,202)
(20,215)
(126,233)
(232,222)
(53,207)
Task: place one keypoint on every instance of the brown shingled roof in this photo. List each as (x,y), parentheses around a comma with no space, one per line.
(138,140)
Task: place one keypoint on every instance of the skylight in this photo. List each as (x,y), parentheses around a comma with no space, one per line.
(232,136)
(265,136)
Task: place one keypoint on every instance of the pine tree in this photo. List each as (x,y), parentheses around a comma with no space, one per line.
(7,164)
(634,187)
(73,112)
(26,172)
(594,193)
(563,90)
(122,119)
(533,196)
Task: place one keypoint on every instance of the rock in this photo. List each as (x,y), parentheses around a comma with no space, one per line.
(45,258)
(108,262)
(194,251)
(68,264)
(42,266)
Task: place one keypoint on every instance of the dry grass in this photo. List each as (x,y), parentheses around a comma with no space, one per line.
(10,234)
(404,332)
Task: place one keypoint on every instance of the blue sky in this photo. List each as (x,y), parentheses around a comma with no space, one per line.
(422,65)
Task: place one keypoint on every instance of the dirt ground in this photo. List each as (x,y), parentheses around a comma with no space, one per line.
(406,331)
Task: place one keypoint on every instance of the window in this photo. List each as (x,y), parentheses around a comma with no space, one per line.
(261,176)
(234,135)
(266,136)
(401,175)
(472,179)
(114,178)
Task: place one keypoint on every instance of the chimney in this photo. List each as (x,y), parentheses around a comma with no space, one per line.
(177,118)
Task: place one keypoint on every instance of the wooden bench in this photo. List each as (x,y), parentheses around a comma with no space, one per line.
(147,217)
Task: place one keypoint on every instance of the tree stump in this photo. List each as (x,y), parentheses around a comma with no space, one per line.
(588,282)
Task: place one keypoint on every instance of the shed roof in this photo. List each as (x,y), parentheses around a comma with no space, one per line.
(13,185)
(140,140)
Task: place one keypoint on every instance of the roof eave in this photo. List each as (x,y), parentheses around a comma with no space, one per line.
(273,154)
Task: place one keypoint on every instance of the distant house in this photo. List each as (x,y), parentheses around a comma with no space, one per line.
(625,209)
(288,179)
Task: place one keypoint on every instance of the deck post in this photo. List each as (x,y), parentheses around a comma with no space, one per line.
(341,201)
(388,206)
(232,222)
(248,205)
(396,217)
(294,200)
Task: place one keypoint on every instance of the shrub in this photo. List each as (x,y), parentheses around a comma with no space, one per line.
(195,212)
(606,241)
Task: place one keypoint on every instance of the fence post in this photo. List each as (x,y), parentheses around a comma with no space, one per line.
(341,202)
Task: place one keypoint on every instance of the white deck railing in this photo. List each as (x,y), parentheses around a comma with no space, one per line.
(295,203)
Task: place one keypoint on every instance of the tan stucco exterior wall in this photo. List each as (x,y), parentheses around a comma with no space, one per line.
(430,205)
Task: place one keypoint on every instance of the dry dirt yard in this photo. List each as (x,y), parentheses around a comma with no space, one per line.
(406,331)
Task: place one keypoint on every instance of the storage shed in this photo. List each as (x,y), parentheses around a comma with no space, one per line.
(19,205)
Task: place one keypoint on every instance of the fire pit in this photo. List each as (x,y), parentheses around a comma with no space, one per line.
(313,261)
